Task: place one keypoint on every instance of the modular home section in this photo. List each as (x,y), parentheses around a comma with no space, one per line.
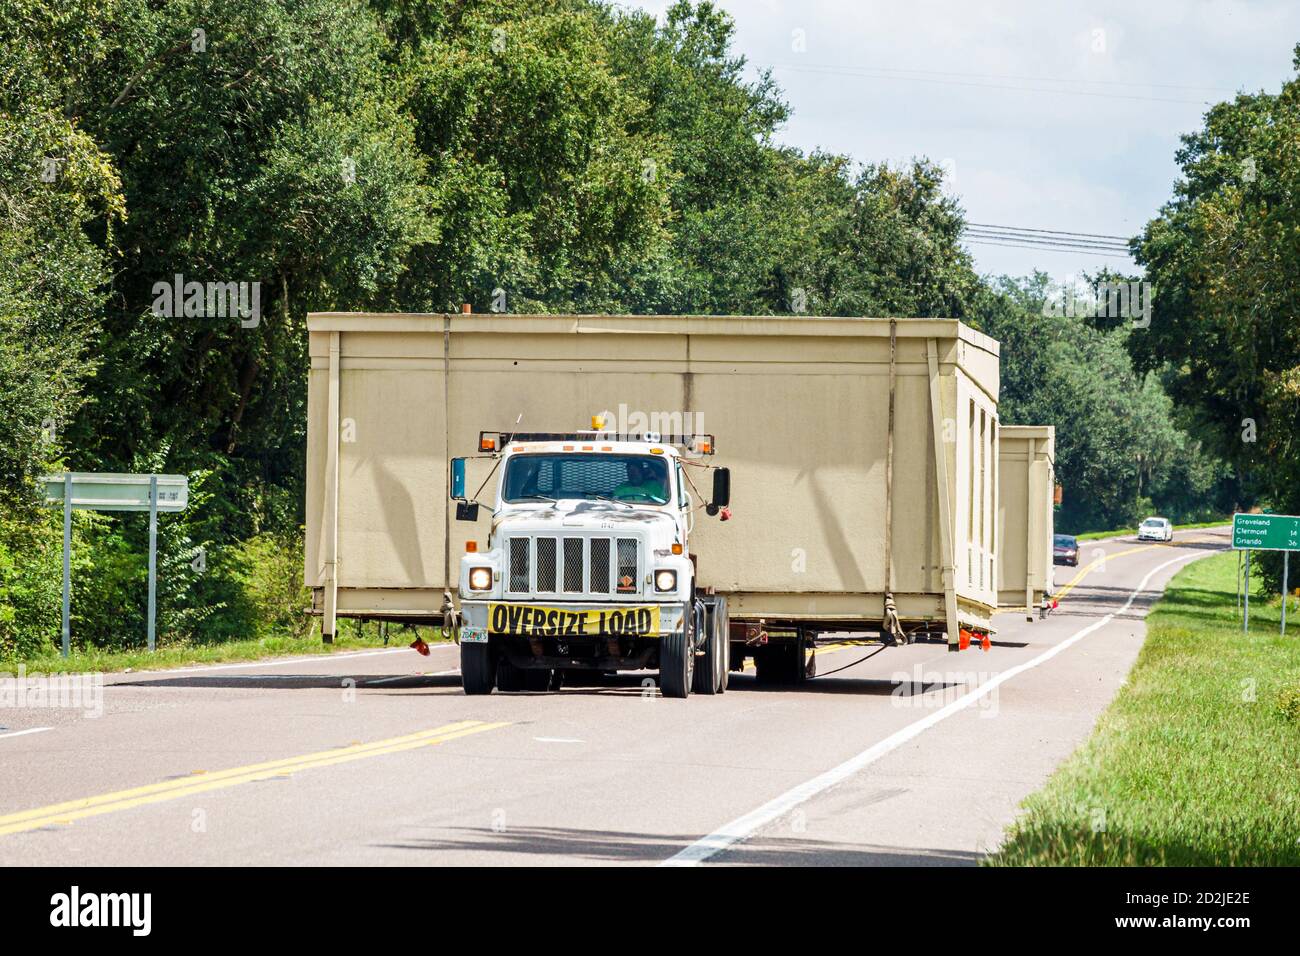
(838,506)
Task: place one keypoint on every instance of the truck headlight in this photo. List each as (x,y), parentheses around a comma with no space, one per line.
(480,579)
(665,579)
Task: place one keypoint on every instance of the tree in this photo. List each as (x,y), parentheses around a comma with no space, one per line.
(1224,257)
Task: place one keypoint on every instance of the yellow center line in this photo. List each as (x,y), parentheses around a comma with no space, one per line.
(1094,564)
(72,810)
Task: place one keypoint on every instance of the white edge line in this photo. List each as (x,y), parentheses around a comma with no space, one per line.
(743,827)
(19,733)
(314,659)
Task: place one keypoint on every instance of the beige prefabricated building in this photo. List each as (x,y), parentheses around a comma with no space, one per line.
(829,514)
(1026,490)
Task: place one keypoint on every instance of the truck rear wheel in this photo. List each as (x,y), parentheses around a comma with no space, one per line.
(478,668)
(676,664)
(724,638)
(512,678)
(711,665)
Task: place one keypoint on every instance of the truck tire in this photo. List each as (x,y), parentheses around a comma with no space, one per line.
(538,679)
(478,669)
(511,678)
(676,663)
(723,618)
(708,664)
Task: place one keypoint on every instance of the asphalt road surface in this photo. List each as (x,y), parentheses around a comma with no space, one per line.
(915,756)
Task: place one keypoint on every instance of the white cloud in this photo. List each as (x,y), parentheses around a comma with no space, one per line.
(984,85)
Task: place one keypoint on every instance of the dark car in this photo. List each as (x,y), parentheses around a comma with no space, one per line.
(1065,549)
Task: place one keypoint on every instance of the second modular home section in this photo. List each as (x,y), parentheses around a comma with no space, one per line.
(1026,487)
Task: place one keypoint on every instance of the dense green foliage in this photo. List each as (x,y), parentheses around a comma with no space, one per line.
(1119,453)
(1224,255)
(414,155)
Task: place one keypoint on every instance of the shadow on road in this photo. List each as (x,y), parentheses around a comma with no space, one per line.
(607,846)
(299,681)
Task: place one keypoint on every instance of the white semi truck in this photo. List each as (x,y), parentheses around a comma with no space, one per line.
(588,564)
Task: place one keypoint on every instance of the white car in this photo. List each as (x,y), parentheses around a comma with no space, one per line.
(1156,529)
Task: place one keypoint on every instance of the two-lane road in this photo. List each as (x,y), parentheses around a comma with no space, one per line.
(913,755)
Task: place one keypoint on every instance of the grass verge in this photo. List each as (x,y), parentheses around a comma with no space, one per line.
(94,661)
(1096,535)
(1197,760)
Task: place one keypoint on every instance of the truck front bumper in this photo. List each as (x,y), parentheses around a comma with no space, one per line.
(671,616)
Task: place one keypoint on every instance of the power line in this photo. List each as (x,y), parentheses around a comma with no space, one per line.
(1050,232)
(872,73)
(1012,245)
(1047,240)
(837,67)
(1038,241)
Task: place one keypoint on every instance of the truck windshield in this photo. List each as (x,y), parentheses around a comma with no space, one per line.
(638,479)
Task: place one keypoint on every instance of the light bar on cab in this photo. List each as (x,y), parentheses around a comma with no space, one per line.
(496,441)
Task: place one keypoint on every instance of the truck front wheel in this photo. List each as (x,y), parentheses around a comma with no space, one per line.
(676,664)
(478,668)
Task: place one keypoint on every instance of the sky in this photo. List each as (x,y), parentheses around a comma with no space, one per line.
(1047,114)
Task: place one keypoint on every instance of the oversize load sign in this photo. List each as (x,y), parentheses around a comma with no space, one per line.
(533,621)
(1266,532)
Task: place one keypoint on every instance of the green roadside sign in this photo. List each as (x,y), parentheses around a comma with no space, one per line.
(1266,532)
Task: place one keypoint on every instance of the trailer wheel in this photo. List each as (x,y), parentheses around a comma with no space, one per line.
(783,663)
(769,664)
(708,665)
(676,662)
(478,668)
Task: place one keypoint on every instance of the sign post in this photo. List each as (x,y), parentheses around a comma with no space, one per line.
(1286,567)
(67,564)
(153,558)
(1266,532)
(114,492)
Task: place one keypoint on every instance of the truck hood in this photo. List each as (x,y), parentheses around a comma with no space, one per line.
(565,515)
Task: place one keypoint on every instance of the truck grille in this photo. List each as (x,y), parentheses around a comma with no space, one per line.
(574,566)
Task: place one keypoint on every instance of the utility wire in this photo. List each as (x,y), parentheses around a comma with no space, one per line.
(842,68)
(1047,240)
(1063,244)
(1053,232)
(1011,245)
(991,86)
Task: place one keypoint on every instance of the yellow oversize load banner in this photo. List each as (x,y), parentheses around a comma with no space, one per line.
(536,621)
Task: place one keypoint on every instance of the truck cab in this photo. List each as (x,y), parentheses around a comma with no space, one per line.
(588,564)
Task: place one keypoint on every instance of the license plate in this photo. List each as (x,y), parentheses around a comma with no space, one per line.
(534,621)
(473,635)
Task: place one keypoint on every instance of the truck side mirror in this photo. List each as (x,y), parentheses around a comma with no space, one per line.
(467,511)
(721,490)
(457,480)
